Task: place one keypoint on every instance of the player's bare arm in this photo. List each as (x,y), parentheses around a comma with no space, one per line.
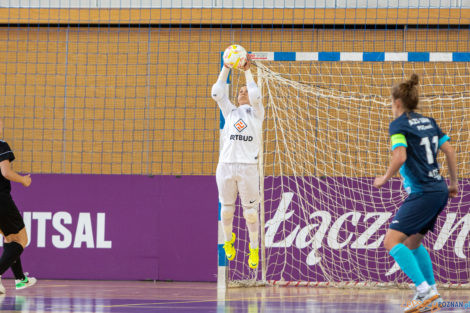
(398,158)
(451,158)
(10,174)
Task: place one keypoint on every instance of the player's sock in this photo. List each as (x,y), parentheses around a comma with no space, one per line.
(254,234)
(424,263)
(423,287)
(227,213)
(252,223)
(17,269)
(227,231)
(408,263)
(11,252)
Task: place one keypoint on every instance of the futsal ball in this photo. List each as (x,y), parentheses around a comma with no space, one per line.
(235,56)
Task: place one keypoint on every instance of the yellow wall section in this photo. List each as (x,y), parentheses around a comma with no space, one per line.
(246,16)
(126,100)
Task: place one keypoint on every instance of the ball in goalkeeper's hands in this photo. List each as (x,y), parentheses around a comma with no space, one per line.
(235,57)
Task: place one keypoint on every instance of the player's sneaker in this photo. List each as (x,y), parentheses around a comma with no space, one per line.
(2,289)
(433,306)
(25,283)
(421,300)
(253,259)
(229,249)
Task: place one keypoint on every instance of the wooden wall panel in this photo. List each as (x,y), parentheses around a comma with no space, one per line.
(137,100)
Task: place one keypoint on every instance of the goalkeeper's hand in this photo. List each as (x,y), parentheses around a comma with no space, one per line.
(247,65)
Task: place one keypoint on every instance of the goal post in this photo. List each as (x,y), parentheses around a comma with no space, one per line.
(325,139)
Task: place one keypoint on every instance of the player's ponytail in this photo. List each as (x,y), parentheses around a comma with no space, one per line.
(407,92)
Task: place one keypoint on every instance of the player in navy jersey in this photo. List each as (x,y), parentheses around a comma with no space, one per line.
(11,223)
(416,140)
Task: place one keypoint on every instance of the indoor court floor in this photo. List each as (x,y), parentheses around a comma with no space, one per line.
(63,296)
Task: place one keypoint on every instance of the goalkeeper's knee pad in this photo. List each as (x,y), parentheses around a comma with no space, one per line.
(250,215)
(227,212)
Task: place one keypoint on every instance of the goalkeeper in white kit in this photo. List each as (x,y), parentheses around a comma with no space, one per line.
(237,171)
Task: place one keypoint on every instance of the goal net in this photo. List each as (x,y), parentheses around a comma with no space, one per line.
(325,140)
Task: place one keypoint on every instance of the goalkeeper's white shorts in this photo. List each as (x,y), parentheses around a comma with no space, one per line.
(233,178)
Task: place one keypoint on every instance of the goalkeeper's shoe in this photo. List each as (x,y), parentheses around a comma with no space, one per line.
(229,249)
(253,259)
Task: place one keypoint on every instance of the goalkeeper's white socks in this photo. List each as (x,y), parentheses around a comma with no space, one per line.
(227,213)
(228,231)
(254,240)
(253,231)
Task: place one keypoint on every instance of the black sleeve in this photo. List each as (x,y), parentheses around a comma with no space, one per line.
(5,152)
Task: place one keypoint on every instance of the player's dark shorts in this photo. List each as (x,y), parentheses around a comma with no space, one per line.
(419,212)
(11,221)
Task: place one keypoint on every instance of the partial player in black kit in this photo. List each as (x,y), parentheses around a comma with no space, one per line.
(11,223)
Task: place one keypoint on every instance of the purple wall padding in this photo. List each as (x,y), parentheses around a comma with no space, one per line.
(160,227)
(165,228)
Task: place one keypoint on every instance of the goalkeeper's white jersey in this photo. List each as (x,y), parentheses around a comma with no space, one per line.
(240,138)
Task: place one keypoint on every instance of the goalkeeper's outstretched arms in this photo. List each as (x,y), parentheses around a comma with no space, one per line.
(254,93)
(219,93)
